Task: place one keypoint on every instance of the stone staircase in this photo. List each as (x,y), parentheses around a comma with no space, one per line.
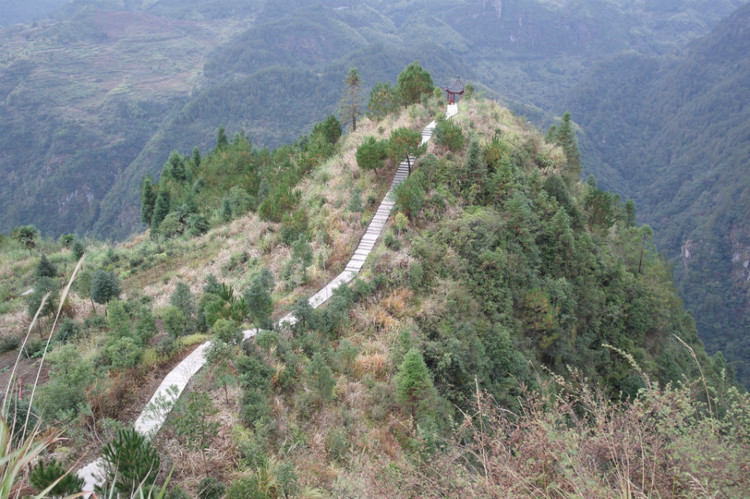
(156,411)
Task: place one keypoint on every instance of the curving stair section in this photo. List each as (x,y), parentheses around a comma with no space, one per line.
(156,411)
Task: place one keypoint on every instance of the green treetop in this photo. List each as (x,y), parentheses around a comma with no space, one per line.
(413,82)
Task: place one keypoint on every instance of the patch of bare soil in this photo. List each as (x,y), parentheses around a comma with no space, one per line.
(25,372)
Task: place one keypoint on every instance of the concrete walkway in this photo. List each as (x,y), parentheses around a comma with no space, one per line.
(156,411)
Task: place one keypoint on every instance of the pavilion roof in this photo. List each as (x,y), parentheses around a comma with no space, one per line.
(456,87)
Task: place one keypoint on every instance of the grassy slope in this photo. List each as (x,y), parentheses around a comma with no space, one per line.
(360,443)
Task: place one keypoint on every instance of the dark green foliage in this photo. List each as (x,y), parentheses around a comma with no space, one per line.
(118,319)
(193,423)
(70,377)
(221,302)
(196,157)
(26,235)
(413,82)
(78,249)
(131,462)
(227,332)
(260,302)
(221,139)
(351,104)
(355,203)
(404,145)
(410,194)
(564,135)
(183,299)
(414,388)
(174,321)
(45,268)
(66,240)
(9,343)
(42,476)
(320,378)
(148,199)
(294,226)
(161,208)
(42,286)
(211,488)
(105,286)
(371,154)
(329,129)
(449,134)
(383,101)
(177,493)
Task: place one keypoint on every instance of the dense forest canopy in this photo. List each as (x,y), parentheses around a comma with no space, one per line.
(672,134)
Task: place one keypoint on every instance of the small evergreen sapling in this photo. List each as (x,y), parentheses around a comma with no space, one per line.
(42,476)
(131,462)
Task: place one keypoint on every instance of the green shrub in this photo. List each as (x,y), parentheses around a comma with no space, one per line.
(174,321)
(211,488)
(267,339)
(68,329)
(227,331)
(70,377)
(416,276)
(392,242)
(9,343)
(123,353)
(410,195)
(45,268)
(105,286)
(449,134)
(294,226)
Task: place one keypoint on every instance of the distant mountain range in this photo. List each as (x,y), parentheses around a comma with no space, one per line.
(673,133)
(98,95)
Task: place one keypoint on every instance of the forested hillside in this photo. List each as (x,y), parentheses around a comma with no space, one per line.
(102,91)
(510,315)
(672,134)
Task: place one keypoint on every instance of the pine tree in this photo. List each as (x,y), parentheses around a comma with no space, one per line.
(105,286)
(131,462)
(42,476)
(413,82)
(78,249)
(183,299)
(404,143)
(45,268)
(161,207)
(371,154)
(383,101)
(351,104)
(259,303)
(148,199)
(415,390)
(566,137)
(26,235)
(196,157)
(320,378)
(221,139)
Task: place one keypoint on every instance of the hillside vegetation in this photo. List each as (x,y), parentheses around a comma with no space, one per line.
(96,97)
(514,333)
(672,134)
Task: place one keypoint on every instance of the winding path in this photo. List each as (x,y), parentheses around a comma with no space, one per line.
(156,411)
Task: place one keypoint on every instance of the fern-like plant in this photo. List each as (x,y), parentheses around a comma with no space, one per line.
(54,475)
(131,461)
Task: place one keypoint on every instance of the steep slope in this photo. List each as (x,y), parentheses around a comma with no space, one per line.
(96,89)
(501,275)
(672,134)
